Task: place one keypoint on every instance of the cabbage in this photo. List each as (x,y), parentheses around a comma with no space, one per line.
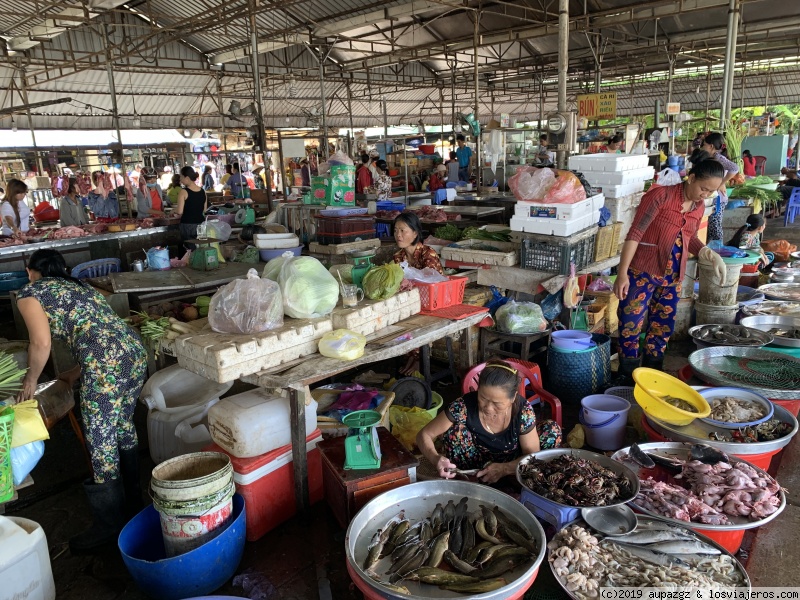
(520,317)
(273,268)
(382,282)
(308,290)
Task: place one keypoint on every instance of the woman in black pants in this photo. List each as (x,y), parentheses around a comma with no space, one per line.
(192,203)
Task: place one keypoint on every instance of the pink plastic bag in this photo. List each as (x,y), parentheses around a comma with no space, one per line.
(530,184)
(567,189)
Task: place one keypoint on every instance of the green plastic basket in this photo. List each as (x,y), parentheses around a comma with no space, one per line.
(6,481)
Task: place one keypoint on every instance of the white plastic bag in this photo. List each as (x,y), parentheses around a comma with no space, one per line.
(308,289)
(24,459)
(219,230)
(340,158)
(530,184)
(249,305)
(426,275)
(520,317)
(668,177)
(343,344)
(272,269)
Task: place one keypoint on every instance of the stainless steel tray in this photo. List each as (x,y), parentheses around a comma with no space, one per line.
(643,519)
(418,500)
(767,322)
(781,291)
(681,450)
(600,459)
(757,337)
(705,365)
(697,432)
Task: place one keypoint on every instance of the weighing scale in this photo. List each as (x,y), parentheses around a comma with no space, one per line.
(204,256)
(362,262)
(362,450)
(246,215)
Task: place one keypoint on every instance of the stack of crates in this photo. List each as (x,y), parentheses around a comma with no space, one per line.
(343,230)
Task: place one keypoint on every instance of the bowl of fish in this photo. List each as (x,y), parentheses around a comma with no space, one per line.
(781,291)
(444,539)
(656,554)
(577,478)
(701,485)
(667,398)
(729,335)
(734,408)
(785,331)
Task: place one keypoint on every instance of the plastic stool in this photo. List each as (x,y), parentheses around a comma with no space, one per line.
(495,343)
(96,268)
(382,230)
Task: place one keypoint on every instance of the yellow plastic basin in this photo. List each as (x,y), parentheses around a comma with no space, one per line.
(652,386)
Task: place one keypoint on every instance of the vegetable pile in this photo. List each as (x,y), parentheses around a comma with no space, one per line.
(10,375)
(382,282)
(454,234)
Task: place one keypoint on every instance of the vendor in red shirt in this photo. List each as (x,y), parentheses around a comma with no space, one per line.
(749,164)
(438,178)
(363,176)
(653,262)
(149,199)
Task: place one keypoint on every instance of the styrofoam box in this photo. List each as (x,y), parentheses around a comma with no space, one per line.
(553,226)
(618,191)
(24,560)
(373,315)
(596,178)
(565,212)
(266,483)
(227,356)
(608,162)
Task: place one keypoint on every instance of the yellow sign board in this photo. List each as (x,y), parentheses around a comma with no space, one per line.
(597,106)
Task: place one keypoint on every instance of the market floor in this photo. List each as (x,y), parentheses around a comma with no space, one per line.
(304,558)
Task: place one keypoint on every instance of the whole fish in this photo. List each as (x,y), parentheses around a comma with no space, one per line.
(489,520)
(400,589)
(425,532)
(373,556)
(488,585)
(412,533)
(436,518)
(456,538)
(651,556)
(399,565)
(509,523)
(480,527)
(468,535)
(434,576)
(412,565)
(439,545)
(499,566)
(519,539)
(399,529)
(461,509)
(472,555)
(457,563)
(651,537)
(449,513)
(488,554)
(402,552)
(511,551)
(684,547)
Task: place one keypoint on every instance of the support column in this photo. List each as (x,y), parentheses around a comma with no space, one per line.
(475,42)
(259,96)
(730,41)
(352,141)
(23,87)
(322,95)
(731,53)
(112,90)
(221,117)
(563,63)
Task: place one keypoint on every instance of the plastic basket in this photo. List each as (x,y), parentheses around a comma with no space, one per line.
(343,225)
(6,480)
(330,238)
(434,296)
(554,254)
(622,391)
(96,268)
(577,374)
(390,205)
(558,516)
(382,229)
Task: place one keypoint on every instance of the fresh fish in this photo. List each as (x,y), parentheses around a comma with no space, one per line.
(425,532)
(640,457)
(510,524)
(499,566)
(519,539)
(373,556)
(436,518)
(489,553)
(449,514)
(511,551)
(488,585)
(413,564)
(439,545)
(399,529)
(684,547)
(706,454)
(473,554)
(397,589)
(461,509)
(468,535)
(456,538)
(673,465)
(489,520)
(658,526)
(434,576)
(651,537)
(457,563)
(410,534)
(480,527)
(402,552)
(651,556)
(398,565)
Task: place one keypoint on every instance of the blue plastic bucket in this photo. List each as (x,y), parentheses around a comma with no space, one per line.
(158,259)
(604,418)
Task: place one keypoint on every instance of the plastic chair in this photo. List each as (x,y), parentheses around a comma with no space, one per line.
(792,207)
(96,268)
(761,162)
(529,387)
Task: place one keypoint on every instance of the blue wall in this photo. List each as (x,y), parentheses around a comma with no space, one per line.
(774,147)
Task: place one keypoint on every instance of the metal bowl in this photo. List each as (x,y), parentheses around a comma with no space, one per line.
(681,451)
(610,520)
(604,461)
(767,322)
(781,291)
(757,337)
(418,501)
(742,394)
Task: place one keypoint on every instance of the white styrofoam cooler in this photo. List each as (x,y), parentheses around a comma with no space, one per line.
(24,561)
(620,191)
(562,212)
(596,178)
(608,162)
(553,226)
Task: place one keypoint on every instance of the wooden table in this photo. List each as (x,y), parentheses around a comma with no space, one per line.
(184,278)
(395,340)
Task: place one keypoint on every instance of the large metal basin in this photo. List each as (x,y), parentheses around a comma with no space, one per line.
(418,501)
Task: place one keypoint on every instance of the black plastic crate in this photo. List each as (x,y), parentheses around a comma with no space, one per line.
(553,254)
(329,238)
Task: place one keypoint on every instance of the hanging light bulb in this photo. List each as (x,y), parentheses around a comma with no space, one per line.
(137,122)
(13,123)
(292,89)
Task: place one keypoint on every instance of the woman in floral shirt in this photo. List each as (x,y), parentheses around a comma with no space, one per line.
(383,183)
(112,365)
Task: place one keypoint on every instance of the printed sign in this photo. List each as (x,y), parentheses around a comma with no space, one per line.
(597,106)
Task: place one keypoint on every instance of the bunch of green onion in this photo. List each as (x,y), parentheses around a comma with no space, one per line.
(10,376)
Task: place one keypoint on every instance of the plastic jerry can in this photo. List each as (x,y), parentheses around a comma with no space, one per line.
(253,423)
(24,561)
(175,389)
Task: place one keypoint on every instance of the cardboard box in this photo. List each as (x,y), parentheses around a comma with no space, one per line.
(611,304)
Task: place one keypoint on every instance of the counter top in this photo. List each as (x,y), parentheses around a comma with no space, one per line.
(12,251)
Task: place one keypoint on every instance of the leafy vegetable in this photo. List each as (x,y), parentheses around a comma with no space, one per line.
(308,289)
(448,232)
(520,317)
(473,233)
(760,180)
(748,191)
(10,375)
(345,272)
(382,282)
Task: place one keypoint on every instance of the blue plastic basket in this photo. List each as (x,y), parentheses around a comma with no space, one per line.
(382,230)
(13,280)
(96,268)
(390,205)
(558,516)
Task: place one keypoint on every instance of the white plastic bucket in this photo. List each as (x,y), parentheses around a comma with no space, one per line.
(192,494)
(715,315)
(604,418)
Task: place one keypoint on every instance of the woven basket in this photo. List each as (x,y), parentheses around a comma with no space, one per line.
(6,480)
(575,375)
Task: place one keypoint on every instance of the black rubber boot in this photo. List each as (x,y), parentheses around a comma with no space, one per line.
(625,372)
(653,363)
(129,469)
(107,504)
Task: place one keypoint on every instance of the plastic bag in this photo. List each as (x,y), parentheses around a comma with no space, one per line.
(426,275)
(308,289)
(520,317)
(601,284)
(407,422)
(24,459)
(219,230)
(345,272)
(382,282)
(668,177)
(28,424)
(567,189)
(530,184)
(553,305)
(272,270)
(340,158)
(343,344)
(249,305)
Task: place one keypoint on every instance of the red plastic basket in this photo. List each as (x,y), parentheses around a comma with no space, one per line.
(434,296)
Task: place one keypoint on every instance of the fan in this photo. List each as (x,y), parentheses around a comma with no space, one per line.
(470,121)
(234,110)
